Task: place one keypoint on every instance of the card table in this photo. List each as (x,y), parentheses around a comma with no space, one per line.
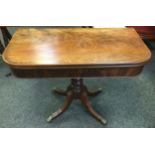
(76,53)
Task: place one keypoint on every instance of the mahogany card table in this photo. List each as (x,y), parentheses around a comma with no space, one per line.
(76,53)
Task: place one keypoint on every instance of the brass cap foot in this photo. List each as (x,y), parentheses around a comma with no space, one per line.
(103,121)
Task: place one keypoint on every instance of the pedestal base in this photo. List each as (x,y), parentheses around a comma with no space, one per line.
(77,90)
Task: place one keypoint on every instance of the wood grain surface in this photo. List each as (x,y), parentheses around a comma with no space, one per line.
(76,72)
(32,48)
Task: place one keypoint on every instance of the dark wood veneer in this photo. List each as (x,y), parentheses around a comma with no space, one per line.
(78,72)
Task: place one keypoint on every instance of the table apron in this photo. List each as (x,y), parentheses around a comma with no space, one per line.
(77,72)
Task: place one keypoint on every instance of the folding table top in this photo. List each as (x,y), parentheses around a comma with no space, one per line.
(72,47)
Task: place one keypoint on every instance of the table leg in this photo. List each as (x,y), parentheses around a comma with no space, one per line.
(68,101)
(85,101)
(94,93)
(77,90)
(60,91)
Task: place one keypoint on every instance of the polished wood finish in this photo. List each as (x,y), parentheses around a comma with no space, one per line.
(77,90)
(85,47)
(77,72)
(78,52)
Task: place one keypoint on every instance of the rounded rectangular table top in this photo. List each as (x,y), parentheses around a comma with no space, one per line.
(71,47)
